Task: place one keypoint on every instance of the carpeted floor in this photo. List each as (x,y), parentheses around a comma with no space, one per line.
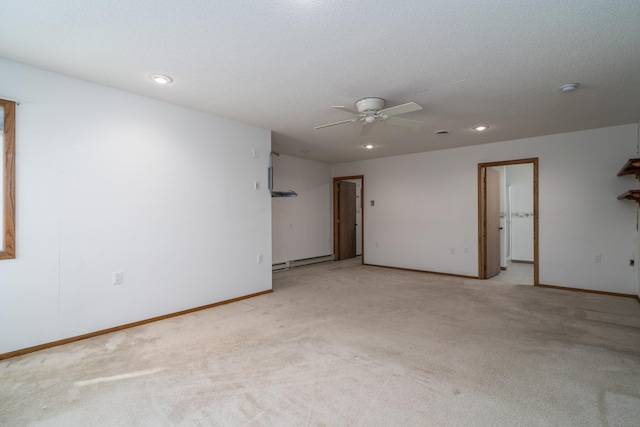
(341,344)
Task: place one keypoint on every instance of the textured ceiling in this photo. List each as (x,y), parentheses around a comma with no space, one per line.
(282,64)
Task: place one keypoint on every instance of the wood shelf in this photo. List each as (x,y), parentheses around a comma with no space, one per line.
(630,195)
(632,167)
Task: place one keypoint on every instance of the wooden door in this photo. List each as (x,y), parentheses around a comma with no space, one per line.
(346,220)
(492,223)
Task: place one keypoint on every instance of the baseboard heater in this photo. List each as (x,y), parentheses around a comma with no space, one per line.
(281,266)
(300,262)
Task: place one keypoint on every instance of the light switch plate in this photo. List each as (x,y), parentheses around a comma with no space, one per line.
(117,277)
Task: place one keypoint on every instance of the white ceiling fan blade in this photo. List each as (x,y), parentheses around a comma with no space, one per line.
(404,122)
(366,128)
(347,109)
(400,109)
(335,123)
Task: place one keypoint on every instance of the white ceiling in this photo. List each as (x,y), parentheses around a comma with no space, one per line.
(282,64)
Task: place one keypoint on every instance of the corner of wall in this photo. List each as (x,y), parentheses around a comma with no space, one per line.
(637,263)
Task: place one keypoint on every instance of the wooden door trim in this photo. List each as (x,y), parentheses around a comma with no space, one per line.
(8,180)
(336,215)
(481,214)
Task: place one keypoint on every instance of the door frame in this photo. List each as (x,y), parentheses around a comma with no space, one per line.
(336,214)
(482,244)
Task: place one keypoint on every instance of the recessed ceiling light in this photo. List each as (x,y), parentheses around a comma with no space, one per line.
(570,87)
(481,128)
(369,146)
(161,79)
(442,132)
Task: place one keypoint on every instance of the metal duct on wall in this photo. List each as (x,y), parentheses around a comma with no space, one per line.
(289,193)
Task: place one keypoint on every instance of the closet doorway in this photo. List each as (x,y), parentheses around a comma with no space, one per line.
(508,221)
(348,217)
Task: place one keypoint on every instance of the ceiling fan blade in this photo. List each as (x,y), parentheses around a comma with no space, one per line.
(347,109)
(400,109)
(366,128)
(404,122)
(335,123)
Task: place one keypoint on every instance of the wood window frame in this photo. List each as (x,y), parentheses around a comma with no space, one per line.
(8,249)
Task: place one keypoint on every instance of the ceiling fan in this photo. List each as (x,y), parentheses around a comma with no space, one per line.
(370,110)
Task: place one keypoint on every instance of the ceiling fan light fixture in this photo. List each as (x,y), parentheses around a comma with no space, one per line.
(161,79)
(481,128)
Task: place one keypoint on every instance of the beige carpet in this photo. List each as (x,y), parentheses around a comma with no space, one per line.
(344,345)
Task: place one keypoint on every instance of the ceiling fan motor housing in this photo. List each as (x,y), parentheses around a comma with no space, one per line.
(369,104)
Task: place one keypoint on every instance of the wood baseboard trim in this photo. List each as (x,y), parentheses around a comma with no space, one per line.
(126,326)
(589,291)
(521,262)
(423,271)
(503,268)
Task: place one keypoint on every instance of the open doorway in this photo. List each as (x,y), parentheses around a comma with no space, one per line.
(508,221)
(348,217)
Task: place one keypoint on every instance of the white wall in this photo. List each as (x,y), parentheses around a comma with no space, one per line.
(110,181)
(637,254)
(301,225)
(427,203)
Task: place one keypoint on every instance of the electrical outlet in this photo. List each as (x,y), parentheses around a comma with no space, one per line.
(452,251)
(254,153)
(373,203)
(632,262)
(256,185)
(118,277)
(259,259)
(597,258)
